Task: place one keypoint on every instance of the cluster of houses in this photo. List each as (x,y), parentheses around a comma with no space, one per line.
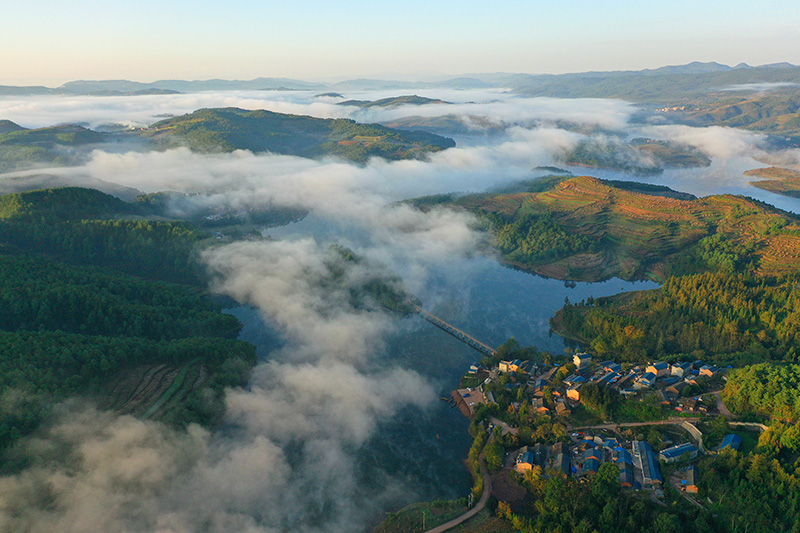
(637,462)
(639,465)
(665,380)
(668,380)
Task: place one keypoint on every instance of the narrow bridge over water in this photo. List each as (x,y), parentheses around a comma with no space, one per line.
(455,332)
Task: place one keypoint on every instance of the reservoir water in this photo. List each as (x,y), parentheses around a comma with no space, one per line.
(424,449)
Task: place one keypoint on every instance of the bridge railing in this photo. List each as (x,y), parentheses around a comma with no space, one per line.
(455,332)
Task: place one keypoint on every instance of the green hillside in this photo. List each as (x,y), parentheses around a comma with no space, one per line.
(587,229)
(6,126)
(20,147)
(89,306)
(225,130)
(67,203)
(728,264)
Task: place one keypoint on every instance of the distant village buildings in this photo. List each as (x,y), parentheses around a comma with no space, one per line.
(638,463)
(581,360)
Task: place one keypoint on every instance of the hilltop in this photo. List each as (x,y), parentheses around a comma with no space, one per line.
(588,229)
(61,204)
(393,101)
(225,130)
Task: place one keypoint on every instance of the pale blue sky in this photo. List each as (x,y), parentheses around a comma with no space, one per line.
(50,42)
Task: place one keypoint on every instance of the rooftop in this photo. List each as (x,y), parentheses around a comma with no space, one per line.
(680,449)
(731,440)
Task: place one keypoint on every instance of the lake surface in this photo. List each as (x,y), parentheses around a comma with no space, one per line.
(425,449)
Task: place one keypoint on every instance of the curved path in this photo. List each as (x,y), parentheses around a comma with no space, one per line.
(487,491)
(723,410)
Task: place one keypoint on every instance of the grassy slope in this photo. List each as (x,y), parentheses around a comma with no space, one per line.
(642,235)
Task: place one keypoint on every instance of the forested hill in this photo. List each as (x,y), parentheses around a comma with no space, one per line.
(62,204)
(89,306)
(20,147)
(85,226)
(729,265)
(588,229)
(225,130)
(394,101)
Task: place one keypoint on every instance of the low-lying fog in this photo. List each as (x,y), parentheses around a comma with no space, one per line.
(287,461)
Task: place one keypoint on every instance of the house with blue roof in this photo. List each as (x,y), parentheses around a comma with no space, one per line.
(659,369)
(590,465)
(606,378)
(731,440)
(647,380)
(623,456)
(674,453)
(626,478)
(574,379)
(709,370)
(592,453)
(681,369)
(646,461)
(689,479)
(525,461)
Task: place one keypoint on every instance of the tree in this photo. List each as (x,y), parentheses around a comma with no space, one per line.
(667,523)
(606,485)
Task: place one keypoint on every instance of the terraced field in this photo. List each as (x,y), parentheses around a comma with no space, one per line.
(635,235)
(154,391)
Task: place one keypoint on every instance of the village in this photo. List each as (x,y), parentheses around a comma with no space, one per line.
(515,395)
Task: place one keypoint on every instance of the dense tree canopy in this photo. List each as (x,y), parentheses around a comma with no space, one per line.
(718,316)
(765,388)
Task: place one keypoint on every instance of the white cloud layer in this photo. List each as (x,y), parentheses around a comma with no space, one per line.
(287,459)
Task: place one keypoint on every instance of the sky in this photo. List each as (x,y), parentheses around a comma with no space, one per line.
(49,42)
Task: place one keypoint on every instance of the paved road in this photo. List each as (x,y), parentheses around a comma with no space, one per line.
(671,421)
(504,427)
(723,410)
(487,491)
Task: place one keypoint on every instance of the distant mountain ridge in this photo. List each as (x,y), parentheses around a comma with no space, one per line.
(529,84)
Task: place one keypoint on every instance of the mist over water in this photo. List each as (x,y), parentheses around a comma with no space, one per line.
(341,420)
